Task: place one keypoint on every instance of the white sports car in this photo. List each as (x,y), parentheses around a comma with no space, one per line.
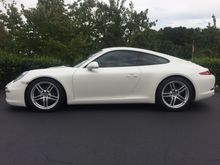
(114,75)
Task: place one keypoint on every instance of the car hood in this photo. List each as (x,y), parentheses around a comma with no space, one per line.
(55,68)
(52,72)
(58,67)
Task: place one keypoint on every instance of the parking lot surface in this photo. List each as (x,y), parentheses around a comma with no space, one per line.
(133,134)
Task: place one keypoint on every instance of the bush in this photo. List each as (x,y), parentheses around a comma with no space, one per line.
(211,63)
(12,65)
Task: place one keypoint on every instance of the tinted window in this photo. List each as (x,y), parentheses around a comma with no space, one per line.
(118,59)
(148,59)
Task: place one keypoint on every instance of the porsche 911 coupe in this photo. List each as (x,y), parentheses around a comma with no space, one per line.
(113,76)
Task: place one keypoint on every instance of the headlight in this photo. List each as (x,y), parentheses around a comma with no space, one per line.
(21,76)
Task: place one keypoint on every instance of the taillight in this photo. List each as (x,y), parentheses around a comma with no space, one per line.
(205,73)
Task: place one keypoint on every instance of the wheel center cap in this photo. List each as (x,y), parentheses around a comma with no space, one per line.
(45,94)
(175,93)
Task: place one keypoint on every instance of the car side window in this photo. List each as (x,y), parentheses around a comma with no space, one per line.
(118,59)
(149,59)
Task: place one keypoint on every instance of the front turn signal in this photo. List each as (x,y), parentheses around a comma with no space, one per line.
(205,73)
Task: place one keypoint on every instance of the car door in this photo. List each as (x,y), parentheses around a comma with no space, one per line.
(116,78)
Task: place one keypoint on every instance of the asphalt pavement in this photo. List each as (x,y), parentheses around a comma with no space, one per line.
(133,134)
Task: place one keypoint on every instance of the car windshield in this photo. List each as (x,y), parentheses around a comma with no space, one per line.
(83,62)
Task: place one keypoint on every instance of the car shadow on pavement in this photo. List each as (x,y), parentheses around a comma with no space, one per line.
(195,107)
(97,107)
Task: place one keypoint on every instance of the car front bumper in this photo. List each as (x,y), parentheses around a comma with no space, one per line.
(15,93)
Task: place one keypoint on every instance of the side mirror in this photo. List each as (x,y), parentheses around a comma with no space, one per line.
(92,65)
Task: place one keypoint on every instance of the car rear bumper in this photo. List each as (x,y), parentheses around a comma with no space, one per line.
(204,86)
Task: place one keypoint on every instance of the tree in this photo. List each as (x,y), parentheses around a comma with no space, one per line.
(98,25)
(75,30)
(209,40)
(3,37)
(84,32)
(47,28)
(12,21)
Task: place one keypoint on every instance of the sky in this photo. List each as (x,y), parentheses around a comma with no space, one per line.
(173,13)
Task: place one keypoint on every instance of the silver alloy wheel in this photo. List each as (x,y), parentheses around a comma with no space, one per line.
(175,94)
(45,95)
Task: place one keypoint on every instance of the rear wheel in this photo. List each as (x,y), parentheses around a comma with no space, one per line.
(44,94)
(174,94)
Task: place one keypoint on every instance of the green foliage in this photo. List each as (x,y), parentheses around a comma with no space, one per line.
(12,21)
(75,30)
(72,31)
(207,41)
(179,35)
(211,63)
(47,29)
(3,36)
(12,65)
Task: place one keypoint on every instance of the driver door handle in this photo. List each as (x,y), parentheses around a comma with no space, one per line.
(132,75)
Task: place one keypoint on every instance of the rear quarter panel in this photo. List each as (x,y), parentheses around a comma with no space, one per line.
(153,75)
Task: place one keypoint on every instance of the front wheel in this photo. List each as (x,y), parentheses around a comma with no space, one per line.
(44,94)
(174,94)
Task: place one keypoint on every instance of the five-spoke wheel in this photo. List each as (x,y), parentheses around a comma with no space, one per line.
(44,94)
(174,93)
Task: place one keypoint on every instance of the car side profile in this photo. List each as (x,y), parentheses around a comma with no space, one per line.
(114,75)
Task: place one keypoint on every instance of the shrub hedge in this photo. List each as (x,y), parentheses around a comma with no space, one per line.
(12,65)
(212,63)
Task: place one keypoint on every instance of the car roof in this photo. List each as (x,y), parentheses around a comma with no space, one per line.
(134,49)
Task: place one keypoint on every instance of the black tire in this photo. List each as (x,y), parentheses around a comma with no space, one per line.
(167,99)
(57,95)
